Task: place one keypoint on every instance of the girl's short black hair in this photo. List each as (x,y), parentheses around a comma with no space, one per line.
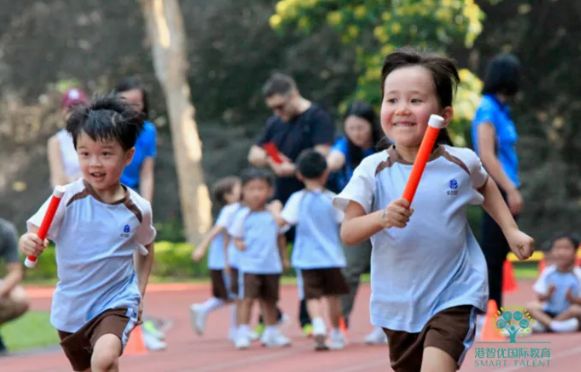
(311,164)
(224,186)
(365,111)
(106,118)
(502,75)
(443,69)
(251,174)
(134,83)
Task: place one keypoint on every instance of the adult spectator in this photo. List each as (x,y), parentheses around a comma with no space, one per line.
(63,160)
(494,139)
(297,125)
(13,299)
(139,174)
(362,134)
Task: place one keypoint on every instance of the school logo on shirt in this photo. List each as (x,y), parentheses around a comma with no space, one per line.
(126,231)
(453,187)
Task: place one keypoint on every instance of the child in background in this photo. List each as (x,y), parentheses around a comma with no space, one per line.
(558,307)
(227,192)
(258,236)
(428,274)
(317,252)
(97,228)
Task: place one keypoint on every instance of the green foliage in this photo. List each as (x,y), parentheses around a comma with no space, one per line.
(377,27)
(33,330)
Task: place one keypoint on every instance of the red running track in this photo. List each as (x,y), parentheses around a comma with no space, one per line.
(213,353)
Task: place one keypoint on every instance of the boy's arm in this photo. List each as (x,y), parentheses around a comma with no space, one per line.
(283,251)
(143,266)
(200,251)
(521,244)
(226,261)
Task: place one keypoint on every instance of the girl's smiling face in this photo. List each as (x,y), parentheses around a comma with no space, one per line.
(409,100)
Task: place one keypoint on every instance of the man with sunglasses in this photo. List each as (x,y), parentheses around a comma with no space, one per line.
(297,125)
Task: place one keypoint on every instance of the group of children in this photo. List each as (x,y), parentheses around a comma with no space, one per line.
(248,254)
(428,275)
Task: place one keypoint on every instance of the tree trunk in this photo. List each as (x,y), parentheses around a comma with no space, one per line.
(167,37)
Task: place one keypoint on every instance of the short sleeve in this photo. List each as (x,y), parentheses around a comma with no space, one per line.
(145,233)
(9,242)
(541,286)
(151,150)
(236,229)
(323,128)
(266,135)
(341,146)
(486,112)
(477,172)
(225,217)
(361,186)
(290,212)
(38,217)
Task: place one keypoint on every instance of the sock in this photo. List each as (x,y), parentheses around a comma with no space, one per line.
(565,326)
(212,304)
(318,325)
(270,331)
(233,314)
(243,330)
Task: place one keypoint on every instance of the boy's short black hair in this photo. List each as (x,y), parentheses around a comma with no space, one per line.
(570,237)
(224,186)
(502,75)
(251,174)
(106,118)
(311,164)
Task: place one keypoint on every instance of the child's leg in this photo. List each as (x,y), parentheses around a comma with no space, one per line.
(567,321)
(106,354)
(574,311)
(436,360)
(334,311)
(535,309)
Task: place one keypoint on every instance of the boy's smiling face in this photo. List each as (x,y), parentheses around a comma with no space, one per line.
(102,162)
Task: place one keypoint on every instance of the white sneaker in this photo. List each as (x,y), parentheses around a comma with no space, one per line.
(277,340)
(242,343)
(337,341)
(376,337)
(253,336)
(197,319)
(152,343)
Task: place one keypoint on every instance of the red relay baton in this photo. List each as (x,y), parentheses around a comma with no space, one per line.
(434,125)
(57,195)
(272,151)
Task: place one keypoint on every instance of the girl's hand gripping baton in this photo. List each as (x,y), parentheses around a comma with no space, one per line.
(57,195)
(434,125)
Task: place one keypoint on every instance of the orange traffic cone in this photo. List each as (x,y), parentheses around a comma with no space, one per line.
(542,265)
(509,283)
(136,344)
(490,332)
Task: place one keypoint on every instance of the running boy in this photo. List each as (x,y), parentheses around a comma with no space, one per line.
(559,290)
(317,253)
(97,228)
(428,274)
(227,192)
(258,236)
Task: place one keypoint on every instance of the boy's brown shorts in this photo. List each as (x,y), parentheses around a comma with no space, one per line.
(78,346)
(451,330)
(261,286)
(319,283)
(219,289)
(234,281)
